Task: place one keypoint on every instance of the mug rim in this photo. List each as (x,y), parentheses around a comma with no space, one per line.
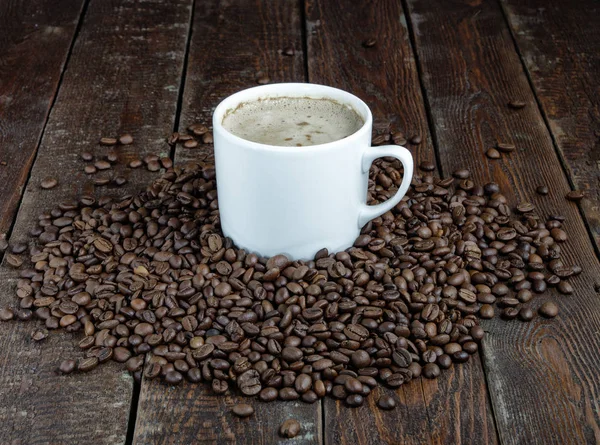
(292,89)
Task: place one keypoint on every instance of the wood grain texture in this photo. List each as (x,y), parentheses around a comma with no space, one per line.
(231,43)
(35,38)
(193,414)
(559,44)
(123,75)
(543,375)
(455,408)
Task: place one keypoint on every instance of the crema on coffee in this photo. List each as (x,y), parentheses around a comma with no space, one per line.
(292,121)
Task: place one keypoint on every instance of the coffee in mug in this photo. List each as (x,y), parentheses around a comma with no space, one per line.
(292,121)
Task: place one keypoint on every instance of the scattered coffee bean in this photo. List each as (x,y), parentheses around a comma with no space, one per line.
(48,183)
(120,180)
(108,141)
(207,138)
(112,157)
(153,166)
(288,51)
(492,153)
(369,43)
(126,139)
(136,163)
(505,147)
(192,143)
(13,260)
(575,195)
(387,402)
(67,366)
(90,169)
(548,310)
(87,364)
(197,129)
(526,314)
(102,165)
(262,80)
(289,428)
(541,190)
(39,334)
(427,166)
(153,284)
(87,156)
(416,140)
(516,104)
(6,314)
(242,410)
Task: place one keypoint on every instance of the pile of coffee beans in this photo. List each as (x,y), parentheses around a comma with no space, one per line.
(150,281)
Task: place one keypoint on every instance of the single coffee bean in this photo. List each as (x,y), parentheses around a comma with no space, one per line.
(575,195)
(289,428)
(354,400)
(505,147)
(541,190)
(88,364)
(427,166)
(486,311)
(387,402)
(6,314)
(288,51)
(125,139)
(48,183)
(102,165)
(136,163)
(173,377)
(90,169)
(517,104)
(242,410)
(108,141)
(548,310)
(369,43)
(192,143)
(87,156)
(431,371)
(492,153)
(526,314)
(262,80)
(14,260)
(67,366)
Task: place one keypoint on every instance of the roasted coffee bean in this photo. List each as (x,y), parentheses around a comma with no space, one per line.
(242,410)
(431,371)
(386,402)
(575,195)
(88,364)
(6,314)
(505,147)
(517,104)
(369,43)
(249,382)
(492,153)
(289,428)
(48,183)
(526,314)
(67,366)
(125,139)
(154,284)
(548,310)
(541,190)
(108,141)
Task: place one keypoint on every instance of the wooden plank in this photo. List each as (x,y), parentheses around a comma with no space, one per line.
(35,39)
(385,77)
(123,75)
(559,44)
(231,43)
(543,375)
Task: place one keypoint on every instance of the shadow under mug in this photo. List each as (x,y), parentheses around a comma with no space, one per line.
(298,200)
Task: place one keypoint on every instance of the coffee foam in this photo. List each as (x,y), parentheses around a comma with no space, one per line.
(292,121)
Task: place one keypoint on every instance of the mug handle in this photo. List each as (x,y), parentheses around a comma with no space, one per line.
(367,212)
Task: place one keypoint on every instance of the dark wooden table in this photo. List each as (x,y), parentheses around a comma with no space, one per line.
(74,70)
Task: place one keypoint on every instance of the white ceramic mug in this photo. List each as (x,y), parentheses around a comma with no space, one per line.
(297,200)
